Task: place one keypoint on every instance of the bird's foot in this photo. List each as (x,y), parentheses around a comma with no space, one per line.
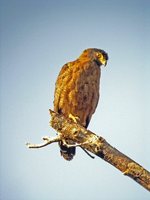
(74,118)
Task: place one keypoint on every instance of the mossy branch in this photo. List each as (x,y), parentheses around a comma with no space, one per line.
(98,146)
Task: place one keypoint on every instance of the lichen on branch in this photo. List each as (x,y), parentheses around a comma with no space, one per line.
(97,145)
(100,147)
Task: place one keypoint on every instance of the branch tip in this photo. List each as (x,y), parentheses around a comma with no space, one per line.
(47,141)
(97,145)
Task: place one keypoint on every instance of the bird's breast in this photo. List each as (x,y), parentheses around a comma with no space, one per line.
(79,90)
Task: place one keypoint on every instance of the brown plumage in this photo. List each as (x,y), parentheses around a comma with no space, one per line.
(77,90)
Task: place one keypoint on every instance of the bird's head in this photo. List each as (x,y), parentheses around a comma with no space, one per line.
(97,55)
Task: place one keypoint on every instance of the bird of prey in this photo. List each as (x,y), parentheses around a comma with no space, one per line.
(77,91)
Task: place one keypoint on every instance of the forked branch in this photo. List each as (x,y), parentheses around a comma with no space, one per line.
(47,141)
(98,146)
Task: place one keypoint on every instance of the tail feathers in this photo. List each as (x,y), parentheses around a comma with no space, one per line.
(67,153)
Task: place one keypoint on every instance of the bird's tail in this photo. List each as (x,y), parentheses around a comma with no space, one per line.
(67,153)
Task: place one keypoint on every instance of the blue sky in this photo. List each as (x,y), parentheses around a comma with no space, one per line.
(37,38)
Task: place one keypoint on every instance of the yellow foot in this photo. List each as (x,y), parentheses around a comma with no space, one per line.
(74,118)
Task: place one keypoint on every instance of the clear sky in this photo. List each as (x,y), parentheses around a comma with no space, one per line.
(37,38)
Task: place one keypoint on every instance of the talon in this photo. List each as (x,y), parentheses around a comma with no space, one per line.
(74,118)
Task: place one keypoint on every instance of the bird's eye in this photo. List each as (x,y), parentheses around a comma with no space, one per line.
(99,55)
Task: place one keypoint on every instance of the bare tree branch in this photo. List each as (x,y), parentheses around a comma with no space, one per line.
(67,129)
(99,146)
(47,141)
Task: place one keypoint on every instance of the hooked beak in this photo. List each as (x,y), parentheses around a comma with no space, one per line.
(104,62)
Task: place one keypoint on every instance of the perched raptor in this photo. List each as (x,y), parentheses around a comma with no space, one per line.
(77,90)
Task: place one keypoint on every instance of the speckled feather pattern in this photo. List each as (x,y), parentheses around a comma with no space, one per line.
(77,89)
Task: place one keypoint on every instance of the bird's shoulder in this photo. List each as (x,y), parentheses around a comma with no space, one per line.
(77,67)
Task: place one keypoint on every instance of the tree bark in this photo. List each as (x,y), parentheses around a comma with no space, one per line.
(88,140)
